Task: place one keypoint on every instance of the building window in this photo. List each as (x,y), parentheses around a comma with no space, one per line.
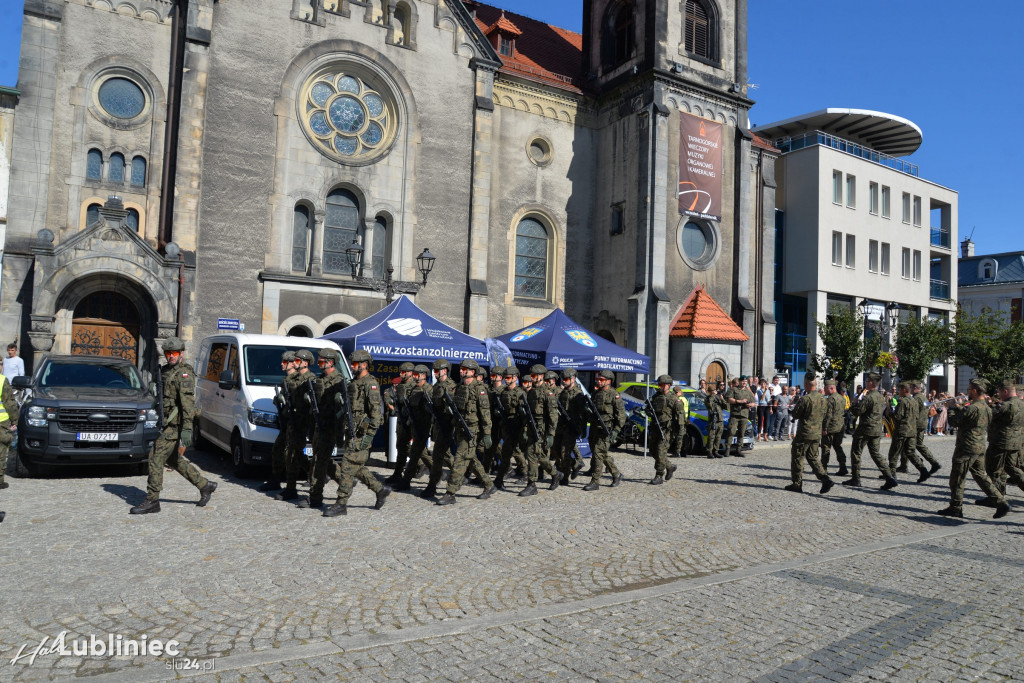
(837,248)
(851,191)
(121,98)
(618,218)
(873,198)
(379,246)
(400,25)
(94,165)
(701,32)
(917,211)
(885,201)
(531,259)
(873,256)
(885,258)
(300,238)
(341,228)
(132,220)
(618,34)
(138,172)
(837,187)
(698,243)
(115,173)
(539,151)
(917,265)
(906,207)
(987,269)
(505,46)
(92,214)
(905,264)
(851,250)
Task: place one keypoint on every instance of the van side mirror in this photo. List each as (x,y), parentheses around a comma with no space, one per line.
(22,382)
(227,380)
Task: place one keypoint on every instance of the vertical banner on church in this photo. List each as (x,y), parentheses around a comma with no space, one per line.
(700,167)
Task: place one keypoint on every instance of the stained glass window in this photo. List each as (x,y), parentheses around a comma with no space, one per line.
(116,172)
(92,214)
(300,239)
(341,226)
(121,98)
(138,172)
(94,165)
(133,219)
(531,259)
(346,117)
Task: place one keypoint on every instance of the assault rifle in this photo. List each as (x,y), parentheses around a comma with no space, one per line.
(450,402)
(432,407)
(593,411)
(315,407)
(408,412)
(652,416)
(347,405)
(568,418)
(525,408)
(284,406)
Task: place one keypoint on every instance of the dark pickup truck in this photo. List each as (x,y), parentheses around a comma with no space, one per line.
(85,410)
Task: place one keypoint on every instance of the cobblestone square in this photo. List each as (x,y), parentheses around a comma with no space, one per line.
(719,574)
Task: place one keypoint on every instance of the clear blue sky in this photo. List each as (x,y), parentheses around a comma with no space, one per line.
(896,56)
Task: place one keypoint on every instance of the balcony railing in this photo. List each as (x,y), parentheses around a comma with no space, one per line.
(940,237)
(817,137)
(940,290)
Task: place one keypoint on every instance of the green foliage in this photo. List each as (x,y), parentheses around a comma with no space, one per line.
(988,344)
(844,352)
(920,344)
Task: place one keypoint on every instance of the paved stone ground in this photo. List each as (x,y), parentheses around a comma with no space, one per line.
(718,574)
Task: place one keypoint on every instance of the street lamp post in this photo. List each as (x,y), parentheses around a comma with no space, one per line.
(386,284)
(887,322)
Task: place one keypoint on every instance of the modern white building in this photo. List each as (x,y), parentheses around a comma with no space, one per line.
(857,221)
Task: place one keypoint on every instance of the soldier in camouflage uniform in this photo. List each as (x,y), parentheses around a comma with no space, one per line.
(1005,441)
(869,432)
(972,428)
(8,425)
(668,414)
(179,408)
(905,428)
(834,427)
(922,427)
(471,401)
(296,461)
(678,446)
(330,430)
(365,404)
(394,403)
(494,391)
(716,424)
(277,472)
(442,431)
(540,401)
(514,427)
(613,415)
(566,454)
(740,399)
(422,418)
(810,411)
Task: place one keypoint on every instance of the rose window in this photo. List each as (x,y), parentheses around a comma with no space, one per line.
(346,118)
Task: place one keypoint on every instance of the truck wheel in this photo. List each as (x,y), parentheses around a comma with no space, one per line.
(24,467)
(237,457)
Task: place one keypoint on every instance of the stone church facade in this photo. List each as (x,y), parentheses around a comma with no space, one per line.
(541,168)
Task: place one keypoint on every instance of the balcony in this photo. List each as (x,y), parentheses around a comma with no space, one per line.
(940,290)
(940,238)
(817,137)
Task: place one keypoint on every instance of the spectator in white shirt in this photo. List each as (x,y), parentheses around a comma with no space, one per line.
(13,365)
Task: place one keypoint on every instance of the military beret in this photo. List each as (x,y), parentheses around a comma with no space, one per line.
(550,374)
(442,364)
(470,364)
(538,369)
(512,371)
(873,376)
(664,379)
(304,354)
(287,356)
(421,370)
(406,367)
(568,373)
(607,374)
(329,354)
(830,383)
(742,377)
(980,384)
(173,344)
(360,356)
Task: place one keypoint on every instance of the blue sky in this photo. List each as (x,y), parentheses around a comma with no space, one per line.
(897,56)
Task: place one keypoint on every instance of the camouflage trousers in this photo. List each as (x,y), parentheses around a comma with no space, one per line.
(805,450)
(442,453)
(737,428)
(403,445)
(511,450)
(564,453)
(324,468)
(464,461)
(352,468)
(599,446)
(922,449)
(873,443)
(537,460)
(165,454)
(6,438)
(962,464)
(903,449)
(1002,466)
(659,451)
(715,432)
(295,460)
(830,441)
(417,455)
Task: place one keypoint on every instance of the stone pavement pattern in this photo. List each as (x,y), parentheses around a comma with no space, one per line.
(716,574)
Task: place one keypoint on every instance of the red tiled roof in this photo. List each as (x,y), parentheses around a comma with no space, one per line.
(543,52)
(764,144)
(503,24)
(702,318)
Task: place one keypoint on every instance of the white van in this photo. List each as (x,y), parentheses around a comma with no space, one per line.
(236,377)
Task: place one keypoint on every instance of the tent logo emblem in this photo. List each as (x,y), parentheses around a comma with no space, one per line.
(581,337)
(527,333)
(407,327)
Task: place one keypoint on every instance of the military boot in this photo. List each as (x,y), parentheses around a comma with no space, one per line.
(576,467)
(1001,510)
(488,493)
(287,494)
(556,479)
(205,493)
(617,479)
(530,490)
(986,502)
(795,488)
(269,485)
(671,470)
(2,515)
(146,507)
(429,492)
(310,502)
(382,496)
(499,483)
(402,484)
(936,467)
(447,499)
(852,482)
(422,472)
(827,485)
(658,479)
(336,510)
(842,471)
(889,484)
(951,512)
(592,486)
(923,476)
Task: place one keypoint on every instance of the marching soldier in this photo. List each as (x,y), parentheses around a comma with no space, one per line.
(540,402)
(298,425)
(612,415)
(442,430)
(471,402)
(967,453)
(740,400)
(678,446)
(494,392)
(1006,440)
(277,472)
(922,427)
(834,427)
(364,402)
(566,454)
(330,431)
(869,432)
(716,404)
(904,437)
(179,408)
(394,401)
(810,411)
(422,419)
(515,427)
(667,413)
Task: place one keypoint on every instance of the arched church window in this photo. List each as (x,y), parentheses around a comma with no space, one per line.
(618,33)
(133,219)
(531,259)
(701,29)
(300,238)
(341,227)
(138,172)
(116,172)
(400,24)
(379,246)
(94,165)
(92,214)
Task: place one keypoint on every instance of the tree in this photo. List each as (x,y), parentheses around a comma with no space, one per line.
(920,344)
(844,351)
(988,344)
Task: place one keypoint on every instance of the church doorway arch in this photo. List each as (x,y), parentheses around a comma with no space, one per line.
(715,372)
(106,323)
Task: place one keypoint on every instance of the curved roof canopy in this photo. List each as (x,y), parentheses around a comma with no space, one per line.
(886,133)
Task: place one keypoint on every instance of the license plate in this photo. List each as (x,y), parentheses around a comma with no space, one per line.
(97,436)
